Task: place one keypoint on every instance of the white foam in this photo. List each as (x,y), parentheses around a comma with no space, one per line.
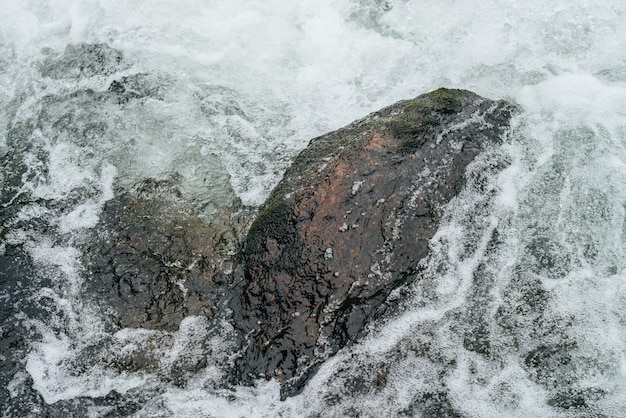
(246,84)
(55,382)
(87,215)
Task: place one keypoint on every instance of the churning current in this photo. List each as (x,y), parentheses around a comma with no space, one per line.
(230,92)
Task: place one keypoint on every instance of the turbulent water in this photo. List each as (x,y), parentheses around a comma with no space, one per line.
(522,310)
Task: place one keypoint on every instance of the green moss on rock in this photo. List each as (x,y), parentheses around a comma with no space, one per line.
(422,115)
(272,222)
(446,100)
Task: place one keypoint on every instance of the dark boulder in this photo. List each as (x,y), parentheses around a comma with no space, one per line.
(350,222)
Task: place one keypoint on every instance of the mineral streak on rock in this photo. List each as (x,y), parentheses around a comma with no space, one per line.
(350,222)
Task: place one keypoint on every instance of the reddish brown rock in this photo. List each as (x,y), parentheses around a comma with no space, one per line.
(350,222)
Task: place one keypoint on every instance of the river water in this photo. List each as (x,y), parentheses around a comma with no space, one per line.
(522,309)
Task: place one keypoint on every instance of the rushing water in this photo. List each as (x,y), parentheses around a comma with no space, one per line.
(522,310)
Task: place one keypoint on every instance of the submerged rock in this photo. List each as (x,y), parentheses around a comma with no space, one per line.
(350,222)
(153,261)
(84,60)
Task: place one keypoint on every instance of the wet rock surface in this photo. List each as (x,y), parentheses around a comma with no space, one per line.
(16,270)
(350,222)
(152,261)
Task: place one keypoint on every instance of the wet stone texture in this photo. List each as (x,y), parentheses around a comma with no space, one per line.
(152,261)
(349,223)
(16,273)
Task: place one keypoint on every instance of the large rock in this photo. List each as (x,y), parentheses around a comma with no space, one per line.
(350,222)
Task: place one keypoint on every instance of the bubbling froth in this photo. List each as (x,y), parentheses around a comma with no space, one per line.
(519,311)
